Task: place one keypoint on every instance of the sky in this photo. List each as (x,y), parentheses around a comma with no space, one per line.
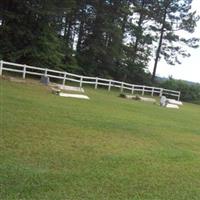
(190,68)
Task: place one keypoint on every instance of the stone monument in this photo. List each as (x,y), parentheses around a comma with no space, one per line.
(44,80)
(163,101)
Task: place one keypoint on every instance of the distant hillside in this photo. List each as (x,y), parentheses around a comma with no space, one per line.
(190,91)
(163,79)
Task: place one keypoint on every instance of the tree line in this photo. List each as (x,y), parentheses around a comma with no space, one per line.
(106,38)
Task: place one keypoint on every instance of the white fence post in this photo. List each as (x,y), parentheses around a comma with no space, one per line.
(64,78)
(179,95)
(1,67)
(143,90)
(110,83)
(152,92)
(45,73)
(161,92)
(81,81)
(109,86)
(122,85)
(132,90)
(24,72)
(96,83)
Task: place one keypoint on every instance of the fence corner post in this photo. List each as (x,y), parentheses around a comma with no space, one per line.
(1,67)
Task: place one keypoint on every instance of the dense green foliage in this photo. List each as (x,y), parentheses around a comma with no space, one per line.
(189,91)
(114,38)
(54,148)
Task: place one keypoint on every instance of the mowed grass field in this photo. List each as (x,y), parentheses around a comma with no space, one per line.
(107,147)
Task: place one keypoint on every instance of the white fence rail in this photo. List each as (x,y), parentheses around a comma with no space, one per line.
(65,76)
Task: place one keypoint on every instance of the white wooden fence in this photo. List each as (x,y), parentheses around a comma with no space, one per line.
(65,76)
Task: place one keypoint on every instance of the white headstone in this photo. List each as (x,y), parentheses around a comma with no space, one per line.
(79,96)
(173,101)
(163,101)
(169,105)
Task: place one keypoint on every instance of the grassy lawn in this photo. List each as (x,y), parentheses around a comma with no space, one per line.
(108,148)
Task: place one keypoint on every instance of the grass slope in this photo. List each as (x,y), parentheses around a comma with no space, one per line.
(104,148)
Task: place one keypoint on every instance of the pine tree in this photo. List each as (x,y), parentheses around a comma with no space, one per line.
(28,33)
(173,16)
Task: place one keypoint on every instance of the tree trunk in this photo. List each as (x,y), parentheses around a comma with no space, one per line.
(138,37)
(80,36)
(65,26)
(68,35)
(159,46)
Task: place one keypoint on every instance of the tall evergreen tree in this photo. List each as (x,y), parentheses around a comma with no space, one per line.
(101,47)
(28,34)
(112,38)
(173,16)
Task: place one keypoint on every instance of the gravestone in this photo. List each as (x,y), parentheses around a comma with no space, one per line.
(163,101)
(44,80)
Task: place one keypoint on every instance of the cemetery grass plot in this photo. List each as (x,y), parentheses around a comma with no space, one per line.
(104,148)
